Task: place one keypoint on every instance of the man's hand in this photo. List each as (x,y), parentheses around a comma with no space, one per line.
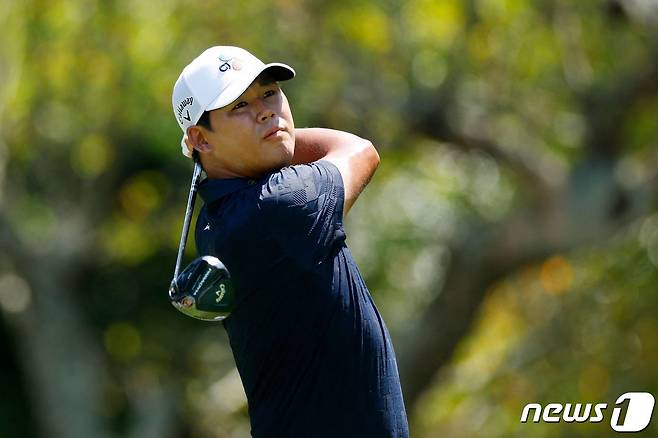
(356,158)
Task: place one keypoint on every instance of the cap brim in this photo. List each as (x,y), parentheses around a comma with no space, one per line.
(279,71)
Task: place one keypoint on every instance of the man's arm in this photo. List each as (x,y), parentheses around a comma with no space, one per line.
(356,158)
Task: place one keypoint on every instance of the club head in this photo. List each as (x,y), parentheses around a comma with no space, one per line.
(203,290)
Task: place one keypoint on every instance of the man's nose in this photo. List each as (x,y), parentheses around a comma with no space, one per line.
(263,112)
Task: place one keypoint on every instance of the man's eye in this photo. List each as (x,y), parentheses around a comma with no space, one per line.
(239,105)
(269,93)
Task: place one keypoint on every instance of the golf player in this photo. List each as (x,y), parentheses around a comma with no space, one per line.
(313,352)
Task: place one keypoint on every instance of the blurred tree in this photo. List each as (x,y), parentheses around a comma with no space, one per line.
(554,213)
(518,139)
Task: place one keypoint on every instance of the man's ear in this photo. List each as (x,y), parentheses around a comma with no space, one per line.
(197,140)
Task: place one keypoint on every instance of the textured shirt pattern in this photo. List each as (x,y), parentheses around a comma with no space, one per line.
(312,350)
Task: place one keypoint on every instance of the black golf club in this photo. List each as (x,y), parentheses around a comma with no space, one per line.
(203,290)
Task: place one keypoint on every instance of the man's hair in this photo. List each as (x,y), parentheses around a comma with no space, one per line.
(204,120)
(264,78)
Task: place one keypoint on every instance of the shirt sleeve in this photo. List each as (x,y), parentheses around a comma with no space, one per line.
(305,204)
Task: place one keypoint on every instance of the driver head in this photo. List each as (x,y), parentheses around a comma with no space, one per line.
(203,290)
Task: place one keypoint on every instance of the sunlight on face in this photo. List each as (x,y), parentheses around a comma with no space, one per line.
(255,133)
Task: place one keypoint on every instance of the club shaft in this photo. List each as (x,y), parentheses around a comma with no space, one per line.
(188,216)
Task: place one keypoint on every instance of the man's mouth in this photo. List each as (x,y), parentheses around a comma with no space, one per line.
(272,132)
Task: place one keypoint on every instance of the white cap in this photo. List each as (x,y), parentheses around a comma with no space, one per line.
(216,78)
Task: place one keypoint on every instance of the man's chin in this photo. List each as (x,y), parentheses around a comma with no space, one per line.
(286,154)
(282,161)
(287,161)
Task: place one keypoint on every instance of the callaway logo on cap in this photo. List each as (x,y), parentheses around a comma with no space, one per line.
(215,79)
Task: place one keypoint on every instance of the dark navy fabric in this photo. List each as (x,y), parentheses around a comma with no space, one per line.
(312,350)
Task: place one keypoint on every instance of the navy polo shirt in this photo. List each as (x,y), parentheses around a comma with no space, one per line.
(312,350)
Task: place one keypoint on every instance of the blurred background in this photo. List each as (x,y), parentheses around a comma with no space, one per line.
(509,237)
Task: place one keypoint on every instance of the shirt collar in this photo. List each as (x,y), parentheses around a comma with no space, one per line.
(213,189)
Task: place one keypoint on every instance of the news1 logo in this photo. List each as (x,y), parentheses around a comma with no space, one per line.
(632,412)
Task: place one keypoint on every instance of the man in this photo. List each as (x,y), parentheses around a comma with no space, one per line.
(313,352)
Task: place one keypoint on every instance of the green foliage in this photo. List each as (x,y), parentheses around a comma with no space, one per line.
(90,163)
(589,340)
